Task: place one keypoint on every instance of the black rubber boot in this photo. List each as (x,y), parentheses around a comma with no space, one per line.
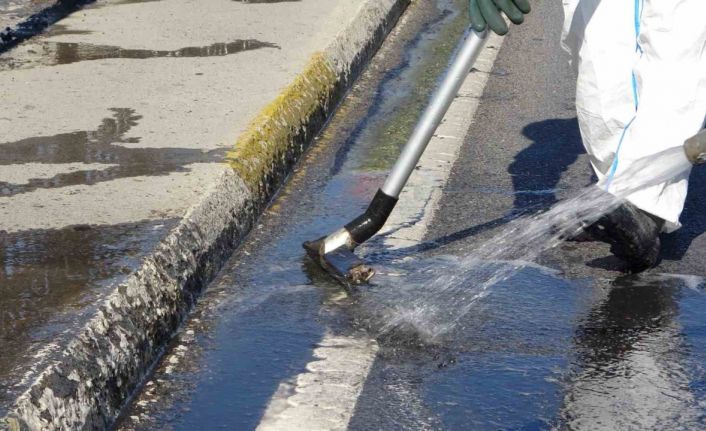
(633,236)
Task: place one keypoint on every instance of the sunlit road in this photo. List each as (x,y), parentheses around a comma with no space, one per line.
(568,343)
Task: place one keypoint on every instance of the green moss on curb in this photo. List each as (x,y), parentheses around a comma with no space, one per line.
(268,137)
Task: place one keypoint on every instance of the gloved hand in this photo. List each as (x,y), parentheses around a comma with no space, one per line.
(486,13)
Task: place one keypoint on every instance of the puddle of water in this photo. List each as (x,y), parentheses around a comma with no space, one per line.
(639,358)
(500,372)
(544,352)
(51,280)
(56,53)
(100,146)
(67,53)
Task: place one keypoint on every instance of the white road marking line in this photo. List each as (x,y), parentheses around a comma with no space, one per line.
(324,397)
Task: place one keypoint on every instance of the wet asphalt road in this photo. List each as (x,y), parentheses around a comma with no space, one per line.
(571,344)
(583,348)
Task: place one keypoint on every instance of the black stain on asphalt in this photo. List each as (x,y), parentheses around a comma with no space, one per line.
(100,146)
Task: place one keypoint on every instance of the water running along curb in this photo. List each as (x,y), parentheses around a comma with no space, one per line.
(105,363)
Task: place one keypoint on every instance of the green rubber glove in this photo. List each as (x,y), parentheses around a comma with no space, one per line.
(487,13)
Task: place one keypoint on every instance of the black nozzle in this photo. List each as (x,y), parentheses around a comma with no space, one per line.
(374,218)
(334,253)
(340,263)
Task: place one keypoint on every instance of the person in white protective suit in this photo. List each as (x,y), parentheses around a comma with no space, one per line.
(641,89)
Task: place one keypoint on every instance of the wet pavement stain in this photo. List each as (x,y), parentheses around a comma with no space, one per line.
(267,1)
(52,280)
(100,146)
(119,2)
(62,30)
(38,22)
(403,92)
(56,53)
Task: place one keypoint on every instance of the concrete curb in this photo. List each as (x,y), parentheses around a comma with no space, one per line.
(103,366)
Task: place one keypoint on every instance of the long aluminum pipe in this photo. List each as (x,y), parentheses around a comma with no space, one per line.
(432,116)
(335,252)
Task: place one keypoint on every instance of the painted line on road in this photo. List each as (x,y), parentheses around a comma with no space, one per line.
(325,395)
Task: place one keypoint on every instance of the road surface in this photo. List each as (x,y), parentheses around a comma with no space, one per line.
(569,342)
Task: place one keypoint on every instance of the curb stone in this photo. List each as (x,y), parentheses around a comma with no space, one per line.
(106,362)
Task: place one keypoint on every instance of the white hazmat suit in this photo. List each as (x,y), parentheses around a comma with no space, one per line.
(641,85)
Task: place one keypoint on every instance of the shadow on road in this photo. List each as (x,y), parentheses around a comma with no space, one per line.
(675,245)
(535,171)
